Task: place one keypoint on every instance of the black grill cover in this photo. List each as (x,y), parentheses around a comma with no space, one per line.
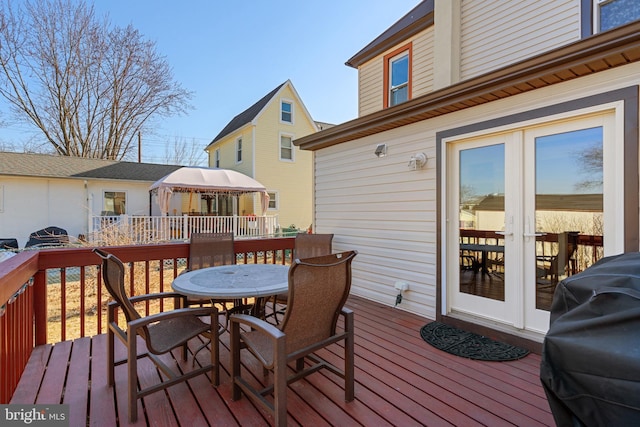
(50,236)
(590,366)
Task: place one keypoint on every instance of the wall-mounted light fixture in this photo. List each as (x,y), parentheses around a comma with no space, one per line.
(417,161)
(381,150)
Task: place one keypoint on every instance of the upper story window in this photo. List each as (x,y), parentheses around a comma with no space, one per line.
(397,76)
(216,158)
(286,112)
(286,147)
(239,150)
(609,14)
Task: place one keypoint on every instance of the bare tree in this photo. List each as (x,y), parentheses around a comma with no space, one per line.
(590,161)
(182,152)
(88,87)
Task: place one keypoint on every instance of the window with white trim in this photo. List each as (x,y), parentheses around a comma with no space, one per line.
(399,79)
(216,157)
(610,14)
(286,111)
(286,147)
(114,203)
(239,150)
(273,200)
(397,76)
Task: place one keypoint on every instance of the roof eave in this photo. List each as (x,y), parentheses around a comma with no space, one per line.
(375,49)
(600,52)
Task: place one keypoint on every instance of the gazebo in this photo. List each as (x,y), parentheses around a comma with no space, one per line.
(207,181)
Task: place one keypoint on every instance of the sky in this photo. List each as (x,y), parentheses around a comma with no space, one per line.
(559,163)
(232,53)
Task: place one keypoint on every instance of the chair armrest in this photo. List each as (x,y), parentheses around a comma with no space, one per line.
(257,324)
(158,295)
(348,319)
(147,320)
(346,311)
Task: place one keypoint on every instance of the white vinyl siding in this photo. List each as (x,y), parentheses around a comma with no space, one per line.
(370,86)
(497,33)
(384,210)
(422,78)
(387,212)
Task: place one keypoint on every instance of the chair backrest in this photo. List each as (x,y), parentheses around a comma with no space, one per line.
(113,278)
(318,289)
(312,245)
(211,250)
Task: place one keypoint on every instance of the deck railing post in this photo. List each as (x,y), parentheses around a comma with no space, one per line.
(40,306)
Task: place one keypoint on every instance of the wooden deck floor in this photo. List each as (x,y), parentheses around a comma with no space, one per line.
(400,380)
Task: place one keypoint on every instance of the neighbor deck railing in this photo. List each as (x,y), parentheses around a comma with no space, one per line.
(589,248)
(153,229)
(55,295)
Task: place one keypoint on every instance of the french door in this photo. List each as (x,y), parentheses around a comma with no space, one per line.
(525,208)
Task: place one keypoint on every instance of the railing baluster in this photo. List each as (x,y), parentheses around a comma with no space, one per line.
(99,298)
(63,304)
(146,284)
(83,284)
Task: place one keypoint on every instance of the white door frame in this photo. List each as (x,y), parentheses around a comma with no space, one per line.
(613,161)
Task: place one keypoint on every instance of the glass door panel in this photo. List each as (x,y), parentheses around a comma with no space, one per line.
(568,206)
(481,214)
(565,194)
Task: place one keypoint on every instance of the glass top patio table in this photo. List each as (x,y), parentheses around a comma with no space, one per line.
(234,281)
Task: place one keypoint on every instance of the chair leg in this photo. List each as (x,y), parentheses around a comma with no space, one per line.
(349,370)
(132,375)
(110,356)
(235,360)
(215,348)
(280,384)
(185,352)
(274,307)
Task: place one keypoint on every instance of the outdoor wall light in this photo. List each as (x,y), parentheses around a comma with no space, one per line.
(381,150)
(417,161)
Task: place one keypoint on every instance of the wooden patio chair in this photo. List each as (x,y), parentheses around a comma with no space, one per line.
(318,290)
(161,332)
(550,268)
(213,250)
(210,250)
(306,246)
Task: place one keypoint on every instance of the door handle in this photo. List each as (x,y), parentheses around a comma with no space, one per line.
(534,234)
(503,233)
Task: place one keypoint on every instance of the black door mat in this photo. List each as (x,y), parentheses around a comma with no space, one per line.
(469,345)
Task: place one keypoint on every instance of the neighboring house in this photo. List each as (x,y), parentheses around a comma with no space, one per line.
(258,143)
(519,99)
(37,191)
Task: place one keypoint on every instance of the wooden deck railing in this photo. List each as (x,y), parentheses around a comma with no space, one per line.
(56,295)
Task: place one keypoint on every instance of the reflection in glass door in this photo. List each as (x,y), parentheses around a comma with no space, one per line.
(481,219)
(477,250)
(568,205)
